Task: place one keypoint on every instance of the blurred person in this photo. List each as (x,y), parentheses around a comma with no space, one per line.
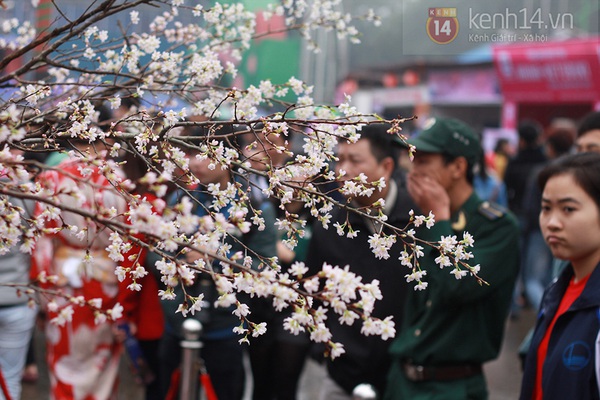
(146,320)
(221,352)
(503,152)
(31,372)
(588,133)
(264,151)
(487,185)
(366,358)
(83,351)
(128,106)
(529,156)
(17,317)
(563,124)
(52,159)
(536,266)
(587,140)
(562,361)
(453,326)
(278,356)
(560,139)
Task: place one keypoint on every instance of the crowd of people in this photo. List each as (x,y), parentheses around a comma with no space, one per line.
(534,218)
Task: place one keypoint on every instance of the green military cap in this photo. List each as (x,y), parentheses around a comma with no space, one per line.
(449,136)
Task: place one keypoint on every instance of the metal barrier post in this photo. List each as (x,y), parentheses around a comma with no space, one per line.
(189,362)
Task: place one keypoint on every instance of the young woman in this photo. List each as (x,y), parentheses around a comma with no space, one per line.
(82,350)
(563,359)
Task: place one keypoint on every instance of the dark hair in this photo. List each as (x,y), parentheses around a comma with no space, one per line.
(129,100)
(135,168)
(585,169)
(104,114)
(590,122)
(500,143)
(221,133)
(381,142)
(529,131)
(561,141)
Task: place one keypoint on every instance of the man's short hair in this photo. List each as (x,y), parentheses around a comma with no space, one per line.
(590,122)
(382,143)
(529,131)
(222,133)
(561,141)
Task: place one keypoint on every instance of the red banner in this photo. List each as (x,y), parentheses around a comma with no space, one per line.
(550,72)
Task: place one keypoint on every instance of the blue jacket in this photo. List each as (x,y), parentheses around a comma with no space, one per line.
(570,370)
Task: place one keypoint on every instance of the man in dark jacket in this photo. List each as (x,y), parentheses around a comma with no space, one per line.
(530,155)
(366,359)
(518,172)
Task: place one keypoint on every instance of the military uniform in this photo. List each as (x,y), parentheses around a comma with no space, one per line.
(454,326)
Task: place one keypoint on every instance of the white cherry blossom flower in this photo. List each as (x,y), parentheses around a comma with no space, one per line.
(64,315)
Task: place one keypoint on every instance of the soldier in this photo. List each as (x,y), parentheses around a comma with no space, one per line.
(451,328)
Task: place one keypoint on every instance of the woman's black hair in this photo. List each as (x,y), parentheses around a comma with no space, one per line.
(585,169)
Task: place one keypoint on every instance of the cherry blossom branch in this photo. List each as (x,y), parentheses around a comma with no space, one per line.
(84,69)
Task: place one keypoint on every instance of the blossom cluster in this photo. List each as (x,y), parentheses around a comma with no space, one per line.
(160,80)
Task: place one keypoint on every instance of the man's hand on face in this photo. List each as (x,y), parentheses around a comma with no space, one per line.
(429,195)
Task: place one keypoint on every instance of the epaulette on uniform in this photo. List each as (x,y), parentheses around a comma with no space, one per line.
(491,211)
